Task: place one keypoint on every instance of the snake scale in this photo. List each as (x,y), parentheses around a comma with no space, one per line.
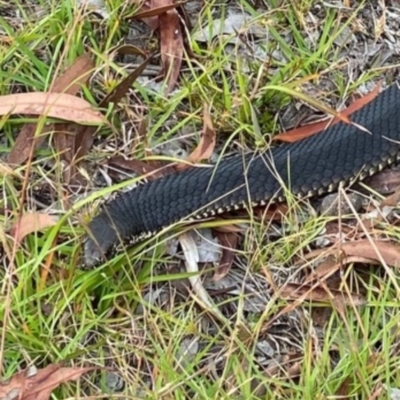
(341,154)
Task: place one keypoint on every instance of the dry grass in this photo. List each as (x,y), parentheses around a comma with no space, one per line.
(137,313)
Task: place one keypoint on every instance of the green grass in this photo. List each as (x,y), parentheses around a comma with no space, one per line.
(107,316)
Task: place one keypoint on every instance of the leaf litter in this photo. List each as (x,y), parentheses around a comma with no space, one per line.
(319,294)
(85,135)
(191,254)
(154,169)
(56,105)
(38,384)
(171,43)
(156,11)
(206,145)
(256,282)
(311,129)
(30,223)
(162,15)
(69,82)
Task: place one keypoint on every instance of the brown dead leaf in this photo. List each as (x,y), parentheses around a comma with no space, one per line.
(74,76)
(64,142)
(162,15)
(55,105)
(129,49)
(152,22)
(298,293)
(389,252)
(385,182)
(378,392)
(356,251)
(64,135)
(294,371)
(324,270)
(359,260)
(285,365)
(34,384)
(275,212)
(125,85)
(392,200)
(229,243)
(171,42)
(69,82)
(85,135)
(343,392)
(156,11)
(303,132)
(152,170)
(206,145)
(314,293)
(31,222)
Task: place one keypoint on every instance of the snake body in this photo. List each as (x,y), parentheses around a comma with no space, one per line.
(341,154)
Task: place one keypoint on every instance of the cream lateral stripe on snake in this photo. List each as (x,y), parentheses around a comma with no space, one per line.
(341,154)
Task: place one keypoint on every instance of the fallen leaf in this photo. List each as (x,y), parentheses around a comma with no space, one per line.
(229,243)
(294,371)
(314,293)
(31,222)
(125,85)
(85,135)
(273,212)
(386,251)
(303,132)
(191,255)
(385,182)
(156,11)
(152,22)
(76,75)
(69,82)
(324,270)
(392,200)
(140,167)
(149,13)
(129,49)
(64,134)
(299,293)
(33,384)
(331,265)
(359,260)
(206,145)
(286,363)
(162,15)
(356,251)
(171,43)
(344,390)
(55,105)
(64,143)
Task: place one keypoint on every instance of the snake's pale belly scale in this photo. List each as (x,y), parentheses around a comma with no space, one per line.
(341,154)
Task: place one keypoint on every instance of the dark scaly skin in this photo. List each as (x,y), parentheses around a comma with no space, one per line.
(340,154)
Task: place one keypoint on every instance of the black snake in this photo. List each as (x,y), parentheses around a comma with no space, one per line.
(341,154)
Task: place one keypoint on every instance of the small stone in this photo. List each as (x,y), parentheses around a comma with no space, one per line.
(113,382)
(330,205)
